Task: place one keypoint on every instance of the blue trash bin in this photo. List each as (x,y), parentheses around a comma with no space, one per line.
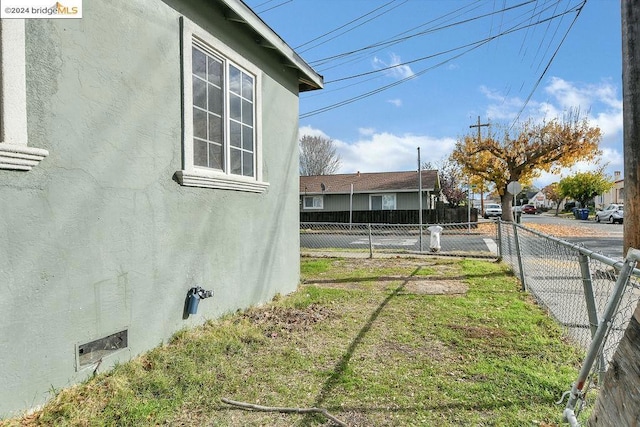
(584,213)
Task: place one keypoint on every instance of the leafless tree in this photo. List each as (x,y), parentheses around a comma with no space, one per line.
(318,156)
(451,182)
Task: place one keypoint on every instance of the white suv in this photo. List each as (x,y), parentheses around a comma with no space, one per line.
(612,213)
(492,210)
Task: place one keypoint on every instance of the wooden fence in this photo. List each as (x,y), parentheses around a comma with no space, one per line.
(429,216)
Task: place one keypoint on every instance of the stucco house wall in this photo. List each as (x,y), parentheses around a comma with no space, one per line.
(100,236)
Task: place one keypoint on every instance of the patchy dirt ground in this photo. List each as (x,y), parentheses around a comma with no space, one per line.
(280,319)
(442,277)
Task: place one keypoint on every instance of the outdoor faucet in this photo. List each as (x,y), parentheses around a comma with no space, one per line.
(194,296)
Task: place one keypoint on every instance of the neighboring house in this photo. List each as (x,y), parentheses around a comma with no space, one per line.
(368,191)
(615,195)
(145,149)
(539,200)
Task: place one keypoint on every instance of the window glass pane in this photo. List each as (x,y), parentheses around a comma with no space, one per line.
(235,80)
(236,161)
(199,93)
(235,107)
(215,71)
(215,99)
(389,201)
(199,123)
(215,156)
(215,128)
(376,203)
(247,164)
(199,153)
(235,134)
(247,86)
(247,138)
(223,104)
(247,113)
(308,202)
(198,63)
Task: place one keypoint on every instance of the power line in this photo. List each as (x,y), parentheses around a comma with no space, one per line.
(272,7)
(421,33)
(344,25)
(535,86)
(359,25)
(396,39)
(471,47)
(511,30)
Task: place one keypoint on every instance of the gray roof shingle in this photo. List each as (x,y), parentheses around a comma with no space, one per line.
(369,182)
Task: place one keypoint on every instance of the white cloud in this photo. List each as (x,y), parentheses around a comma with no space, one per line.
(366,131)
(599,102)
(386,152)
(395,102)
(308,130)
(397,71)
(611,159)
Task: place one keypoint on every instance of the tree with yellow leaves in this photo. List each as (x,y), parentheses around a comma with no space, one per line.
(535,147)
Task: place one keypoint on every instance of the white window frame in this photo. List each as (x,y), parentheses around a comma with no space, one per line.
(383,195)
(14,152)
(196,176)
(314,199)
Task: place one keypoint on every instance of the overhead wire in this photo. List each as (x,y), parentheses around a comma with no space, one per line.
(273,7)
(343,25)
(354,27)
(426,57)
(473,46)
(393,41)
(535,86)
(394,38)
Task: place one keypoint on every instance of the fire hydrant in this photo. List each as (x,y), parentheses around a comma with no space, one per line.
(435,231)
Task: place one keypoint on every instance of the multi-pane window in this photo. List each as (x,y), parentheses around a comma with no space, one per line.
(313,202)
(382,202)
(223,137)
(222,115)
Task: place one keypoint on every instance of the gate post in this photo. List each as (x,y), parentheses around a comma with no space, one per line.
(517,242)
(592,311)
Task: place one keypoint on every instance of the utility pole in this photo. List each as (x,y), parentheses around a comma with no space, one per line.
(479,140)
(420,197)
(631,122)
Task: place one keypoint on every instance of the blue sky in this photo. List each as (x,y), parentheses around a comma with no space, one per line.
(474,58)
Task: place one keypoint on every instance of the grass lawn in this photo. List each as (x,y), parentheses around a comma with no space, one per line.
(382,342)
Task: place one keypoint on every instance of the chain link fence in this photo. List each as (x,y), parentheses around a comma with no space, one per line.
(592,296)
(459,239)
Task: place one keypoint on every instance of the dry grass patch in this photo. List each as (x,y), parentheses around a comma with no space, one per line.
(368,340)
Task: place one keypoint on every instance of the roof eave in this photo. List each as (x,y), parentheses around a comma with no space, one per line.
(308,79)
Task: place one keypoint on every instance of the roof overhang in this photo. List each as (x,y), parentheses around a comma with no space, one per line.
(238,11)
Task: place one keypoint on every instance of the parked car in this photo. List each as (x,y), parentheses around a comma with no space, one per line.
(529,209)
(492,210)
(612,213)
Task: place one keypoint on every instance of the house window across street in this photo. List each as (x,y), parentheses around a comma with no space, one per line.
(382,202)
(313,202)
(221,108)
